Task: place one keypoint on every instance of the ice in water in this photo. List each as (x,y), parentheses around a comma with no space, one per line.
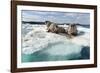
(39,45)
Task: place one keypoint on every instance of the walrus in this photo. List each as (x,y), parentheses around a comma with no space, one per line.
(61,30)
(72,30)
(51,27)
(54,28)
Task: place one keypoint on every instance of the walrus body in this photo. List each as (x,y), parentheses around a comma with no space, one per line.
(61,30)
(72,30)
(54,28)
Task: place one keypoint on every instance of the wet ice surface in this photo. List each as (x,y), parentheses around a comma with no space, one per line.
(39,45)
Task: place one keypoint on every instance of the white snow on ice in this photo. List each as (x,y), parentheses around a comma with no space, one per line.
(38,39)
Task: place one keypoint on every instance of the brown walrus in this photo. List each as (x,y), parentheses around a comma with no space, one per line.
(72,30)
(54,28)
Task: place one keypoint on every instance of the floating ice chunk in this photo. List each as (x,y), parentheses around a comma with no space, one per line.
(63,49)
(38,39)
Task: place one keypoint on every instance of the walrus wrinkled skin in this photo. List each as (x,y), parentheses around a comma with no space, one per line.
(72,30)
(54,28)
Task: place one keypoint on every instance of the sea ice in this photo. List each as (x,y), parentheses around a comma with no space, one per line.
(38,39)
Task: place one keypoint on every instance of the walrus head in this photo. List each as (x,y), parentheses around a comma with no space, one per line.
(47,23)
